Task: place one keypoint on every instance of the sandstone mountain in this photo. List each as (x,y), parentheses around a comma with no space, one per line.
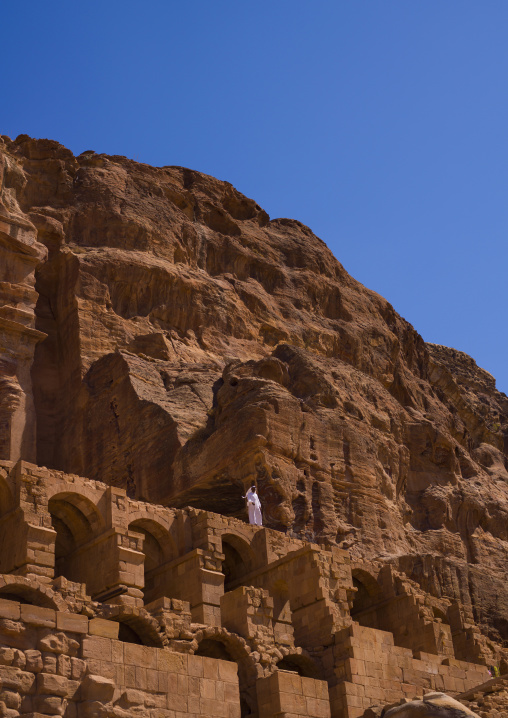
(194,346)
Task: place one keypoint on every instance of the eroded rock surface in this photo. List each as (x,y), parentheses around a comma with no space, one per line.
(20,255)
(490,699)
(195,346)
(432,705)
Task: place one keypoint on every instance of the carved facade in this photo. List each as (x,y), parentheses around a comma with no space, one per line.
(116,607)
(20,255)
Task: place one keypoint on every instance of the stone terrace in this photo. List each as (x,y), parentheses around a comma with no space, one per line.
(114,607)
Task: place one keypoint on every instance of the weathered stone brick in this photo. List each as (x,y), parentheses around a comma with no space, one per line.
(78,668)
(101,627)
(50,705)
(10,609)
(11,700)
(53,642)
(6,656)
(172,662)
(14,679)
(97,688)
(71,622)
(50,684)
(37,616)
(49,662)
(97,647)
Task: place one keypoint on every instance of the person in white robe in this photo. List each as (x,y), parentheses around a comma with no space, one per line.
(254,507)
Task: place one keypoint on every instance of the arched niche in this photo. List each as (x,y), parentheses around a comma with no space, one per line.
(127,634)
(368,595)
(227,647)
(298,663)
(76,521)
(214,648)
(26,593)
(134,625)
(158,548)
(238,561)
(138,632)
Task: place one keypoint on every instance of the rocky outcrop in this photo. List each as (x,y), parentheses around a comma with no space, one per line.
(490,699)
(20,255)
(432,705)
(195,346)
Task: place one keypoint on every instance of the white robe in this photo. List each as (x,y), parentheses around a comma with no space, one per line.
(254,508)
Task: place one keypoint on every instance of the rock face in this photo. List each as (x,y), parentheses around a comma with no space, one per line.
(432,705)
(195,346)
(20,255)
(490,699)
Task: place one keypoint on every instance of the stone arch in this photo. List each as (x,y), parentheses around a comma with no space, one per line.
(24,590)
(85,505)
(236,646)
(159,547)
(161,522)
(85,494)
(218,643)
(214,648)
(299,663)
(238,561)
(368,595)
(136,625)
(440,615)
(77,521)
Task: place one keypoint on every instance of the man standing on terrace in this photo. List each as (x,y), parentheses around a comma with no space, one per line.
(254,507)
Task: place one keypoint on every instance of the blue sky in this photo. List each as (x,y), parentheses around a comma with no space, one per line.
(382,124)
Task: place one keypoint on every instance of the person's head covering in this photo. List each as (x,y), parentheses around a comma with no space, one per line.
(252,488)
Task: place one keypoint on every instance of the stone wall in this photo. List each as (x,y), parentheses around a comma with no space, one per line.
(56,663)
(371,670)
(288,695)
(116,602)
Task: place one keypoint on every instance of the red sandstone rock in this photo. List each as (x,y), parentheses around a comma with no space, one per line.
(195,346)
(433,705)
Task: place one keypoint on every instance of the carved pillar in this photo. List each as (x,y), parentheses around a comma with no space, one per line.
(26,535)
(195,577)
(248,611)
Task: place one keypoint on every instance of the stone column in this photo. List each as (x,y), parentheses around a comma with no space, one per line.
(248,611)
(195,577)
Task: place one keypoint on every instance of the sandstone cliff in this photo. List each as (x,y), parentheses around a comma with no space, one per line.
(195,346)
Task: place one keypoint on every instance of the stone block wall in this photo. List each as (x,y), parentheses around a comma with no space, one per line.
(369,669)
(56,663)
(288,695)
(402,617)
(136,592)
(248,611)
